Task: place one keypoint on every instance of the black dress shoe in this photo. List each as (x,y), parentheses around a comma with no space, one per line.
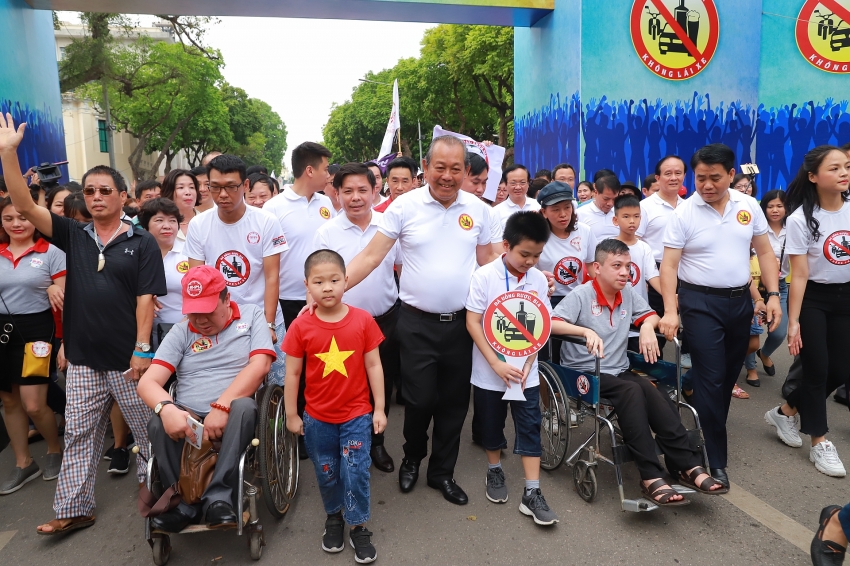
(408,473)
(173,521)
(220,515)
(840,395)
(826,552)
(382,460)
(302,448)
(720,475)
(452,492)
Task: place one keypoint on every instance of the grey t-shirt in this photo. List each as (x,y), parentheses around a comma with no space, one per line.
(206,365)
(24,281)
(586,306)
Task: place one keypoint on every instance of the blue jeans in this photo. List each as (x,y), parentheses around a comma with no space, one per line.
(278,369)
(340,455)
(844,519)
(774,339)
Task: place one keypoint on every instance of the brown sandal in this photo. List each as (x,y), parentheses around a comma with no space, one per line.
(74,524)
(654,490)
(690,480)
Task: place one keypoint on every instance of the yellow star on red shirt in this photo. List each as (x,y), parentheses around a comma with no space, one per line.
(334,359)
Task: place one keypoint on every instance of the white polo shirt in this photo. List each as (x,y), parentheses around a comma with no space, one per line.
(602,225)
(488,282)
(715,248)
(642,268)
(176,265)
(654,213)
(300,219)
(828,256)
(377,293)
(567,258)
(438,246)
(778,243)
(507,207)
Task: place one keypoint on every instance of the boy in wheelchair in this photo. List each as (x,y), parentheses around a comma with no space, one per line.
(221,354)
(602,313)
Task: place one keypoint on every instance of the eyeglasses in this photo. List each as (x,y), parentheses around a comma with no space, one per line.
(517,184)
(229,188)
(105,191)
(744,188)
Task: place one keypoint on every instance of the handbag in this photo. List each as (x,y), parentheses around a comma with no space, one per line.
(794,378)
(36,354)
(196,471)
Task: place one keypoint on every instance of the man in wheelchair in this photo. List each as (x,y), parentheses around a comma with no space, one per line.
(221,356)
(602,312)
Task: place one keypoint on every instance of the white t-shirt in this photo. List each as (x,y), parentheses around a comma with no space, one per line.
(176,265)
(642,269)
(602,225)
(567,258)
(300,219)
(507,207)
(715,248)
(488,282)
(438,247)
(237,250)
(654,214)
(377,293)
(777,243)
(828,256)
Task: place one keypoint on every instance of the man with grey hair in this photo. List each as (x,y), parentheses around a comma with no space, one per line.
(445,234)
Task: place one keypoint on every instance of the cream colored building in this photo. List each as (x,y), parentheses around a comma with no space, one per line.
(86,138)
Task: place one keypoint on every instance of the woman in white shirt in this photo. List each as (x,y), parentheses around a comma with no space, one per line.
(181,187)
(818,243)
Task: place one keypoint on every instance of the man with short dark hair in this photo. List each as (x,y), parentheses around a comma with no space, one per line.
(517,178)
(565,173)
(599,214)
(209,157)
(543,174)
(114,270)
(330,190)
(400,175)
(147,190)
(376,171)
(476,182)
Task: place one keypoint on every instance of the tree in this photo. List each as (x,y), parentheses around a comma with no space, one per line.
(259,134)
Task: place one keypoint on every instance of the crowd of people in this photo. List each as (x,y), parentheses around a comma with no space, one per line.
(355,281)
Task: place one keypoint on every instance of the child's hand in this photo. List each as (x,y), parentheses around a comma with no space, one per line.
(507,372)
(379,421)
(294,424)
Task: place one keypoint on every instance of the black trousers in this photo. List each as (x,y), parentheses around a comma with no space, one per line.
(641,409)
(824,328)
(390,360)
(290,313)
(436,365)
(718,330)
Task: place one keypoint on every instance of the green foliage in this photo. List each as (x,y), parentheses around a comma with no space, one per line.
(462,80)
(259,134)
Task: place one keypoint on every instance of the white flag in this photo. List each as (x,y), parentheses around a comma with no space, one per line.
(393,125)
(493,154)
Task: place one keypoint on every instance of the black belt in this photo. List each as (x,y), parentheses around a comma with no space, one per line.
(440,317)
(730,292)
(389,313)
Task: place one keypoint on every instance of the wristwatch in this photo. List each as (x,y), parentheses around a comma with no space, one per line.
(143,346)
(271,325)
(772,294)
(158,409)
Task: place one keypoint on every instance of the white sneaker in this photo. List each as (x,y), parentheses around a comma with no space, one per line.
(686,361)
(786,427)
(825,457)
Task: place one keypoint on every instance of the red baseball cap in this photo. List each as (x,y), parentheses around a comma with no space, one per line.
(201,288)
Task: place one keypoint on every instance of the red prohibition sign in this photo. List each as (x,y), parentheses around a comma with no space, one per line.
(672,37)
(821,38)
(835,250)
(505,313)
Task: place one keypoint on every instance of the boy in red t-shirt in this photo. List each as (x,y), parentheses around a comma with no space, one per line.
(340,344)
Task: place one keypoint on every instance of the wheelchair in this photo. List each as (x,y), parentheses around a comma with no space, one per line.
(272,459)
(569,397)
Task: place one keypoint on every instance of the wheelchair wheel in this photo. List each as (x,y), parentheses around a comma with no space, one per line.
(555,422)
(584,478)
(278,453)
(256,542)
(161,549)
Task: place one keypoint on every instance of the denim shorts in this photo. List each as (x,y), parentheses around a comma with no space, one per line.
(493,412)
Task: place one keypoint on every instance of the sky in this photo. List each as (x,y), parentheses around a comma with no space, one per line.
(300,66)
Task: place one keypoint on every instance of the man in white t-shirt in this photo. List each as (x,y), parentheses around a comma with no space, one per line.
(242,242)
(599,214)
(517,179)
(301,209)
(348,234)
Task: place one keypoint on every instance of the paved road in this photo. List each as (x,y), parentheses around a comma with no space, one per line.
(776,487)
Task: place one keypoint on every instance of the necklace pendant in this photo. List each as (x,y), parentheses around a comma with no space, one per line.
(101,261)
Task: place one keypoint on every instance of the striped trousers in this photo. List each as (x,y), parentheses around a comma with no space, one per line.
(90,393)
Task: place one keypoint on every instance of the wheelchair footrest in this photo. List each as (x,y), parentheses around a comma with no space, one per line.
(682,490)
(191,529)
(638,505)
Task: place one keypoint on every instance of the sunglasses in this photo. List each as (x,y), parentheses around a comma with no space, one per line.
(105,191)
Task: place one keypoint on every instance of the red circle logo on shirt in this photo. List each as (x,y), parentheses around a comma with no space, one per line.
(324,213)
(465,222)
(567,270)
(634,273)
(235,267)
(744,217)
(253,238)
(836,248)
(182,267)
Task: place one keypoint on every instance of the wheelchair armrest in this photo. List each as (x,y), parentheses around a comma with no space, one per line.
(569,338)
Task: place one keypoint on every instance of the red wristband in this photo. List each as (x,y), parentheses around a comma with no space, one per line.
(220,407)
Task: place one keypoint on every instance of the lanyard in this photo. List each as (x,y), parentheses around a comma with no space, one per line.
(507,277)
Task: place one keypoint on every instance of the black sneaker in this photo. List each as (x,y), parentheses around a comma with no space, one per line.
(361,542)
(120,463)
(332,540)
(108,454)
